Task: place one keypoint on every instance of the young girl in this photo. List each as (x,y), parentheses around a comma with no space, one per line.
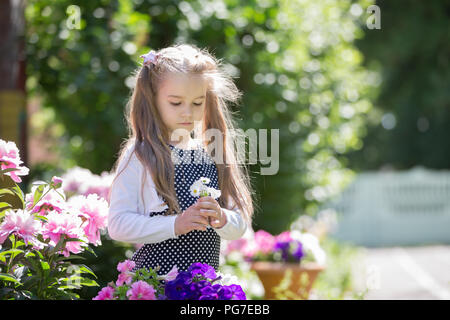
(179,90)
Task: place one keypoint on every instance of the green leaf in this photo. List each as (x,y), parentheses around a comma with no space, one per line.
(38,194)
(71,257)
(44,265)
(39,253)
(17,258)
(19,243)
(14,252)
(89,249)
(62,195)
(89,282)
(6,191)
(11,194)
(29,254)
(58,246)
(3,212)
(4,206)
(30,281)
(42,218)
(3,171)
(34,265)
(85,269)
(9,278)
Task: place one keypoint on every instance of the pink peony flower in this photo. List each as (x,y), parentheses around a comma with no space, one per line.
(9,158)
(67,225)
(141,290)
(22,223)
(107,293)
(52,201)
(125,277)
(57,182)
(264,241)
(125,266)
(83,182)
(94,212)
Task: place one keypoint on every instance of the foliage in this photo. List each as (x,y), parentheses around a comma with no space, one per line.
(110,251)
(287,247)
(336,281)
(295,61)
(197,283)
(38,269)
(106,256)
(411,52)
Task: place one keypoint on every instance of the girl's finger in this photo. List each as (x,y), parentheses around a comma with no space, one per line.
(201,219)
(207,198)
(215,223)
(198,226)
(209,213)
(206,204)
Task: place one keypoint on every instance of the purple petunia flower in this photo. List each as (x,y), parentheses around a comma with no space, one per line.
(225,293)
(210,292)
(196,287)
(197,284)
(203,269)
(299,253)
(238,293)
(290,250)
(178,289)
(283,246)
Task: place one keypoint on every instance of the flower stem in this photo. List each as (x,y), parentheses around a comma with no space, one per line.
(8,268)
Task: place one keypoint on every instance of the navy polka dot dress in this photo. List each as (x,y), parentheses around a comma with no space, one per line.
(195,246)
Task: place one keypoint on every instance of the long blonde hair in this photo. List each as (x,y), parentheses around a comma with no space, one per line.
(149,135)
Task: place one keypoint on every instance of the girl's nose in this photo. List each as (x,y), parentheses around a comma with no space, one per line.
(187,111)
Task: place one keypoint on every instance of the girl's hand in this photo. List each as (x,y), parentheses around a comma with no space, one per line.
(191,219)
(210,207)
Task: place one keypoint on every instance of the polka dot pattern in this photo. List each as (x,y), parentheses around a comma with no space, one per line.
(195,246)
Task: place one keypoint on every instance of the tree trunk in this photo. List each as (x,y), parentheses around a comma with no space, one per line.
(13,117)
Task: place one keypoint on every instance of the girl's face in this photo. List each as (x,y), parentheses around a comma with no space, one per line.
(181,102)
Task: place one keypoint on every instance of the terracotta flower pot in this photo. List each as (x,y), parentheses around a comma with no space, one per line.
(292,280)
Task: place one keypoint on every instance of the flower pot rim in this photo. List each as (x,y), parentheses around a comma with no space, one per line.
(265,265)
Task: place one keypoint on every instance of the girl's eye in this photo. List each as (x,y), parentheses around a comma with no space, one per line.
(177,104)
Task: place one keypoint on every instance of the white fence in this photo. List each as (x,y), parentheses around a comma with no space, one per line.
(395,208)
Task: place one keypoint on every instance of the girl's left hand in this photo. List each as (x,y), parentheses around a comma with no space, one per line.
(210,207)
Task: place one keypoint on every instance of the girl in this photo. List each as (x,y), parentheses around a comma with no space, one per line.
(179,90)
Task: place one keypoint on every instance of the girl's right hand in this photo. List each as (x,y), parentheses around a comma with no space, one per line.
(191,219)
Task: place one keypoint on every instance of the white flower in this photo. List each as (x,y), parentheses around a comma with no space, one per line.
(204,180)
(196,188)
(199,188)
(228,279)
(214,192)
(311,245)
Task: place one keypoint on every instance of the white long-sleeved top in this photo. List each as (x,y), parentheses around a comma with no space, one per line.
(128,217)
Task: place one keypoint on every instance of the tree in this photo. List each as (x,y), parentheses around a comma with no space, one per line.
(411,122)
(295,62)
